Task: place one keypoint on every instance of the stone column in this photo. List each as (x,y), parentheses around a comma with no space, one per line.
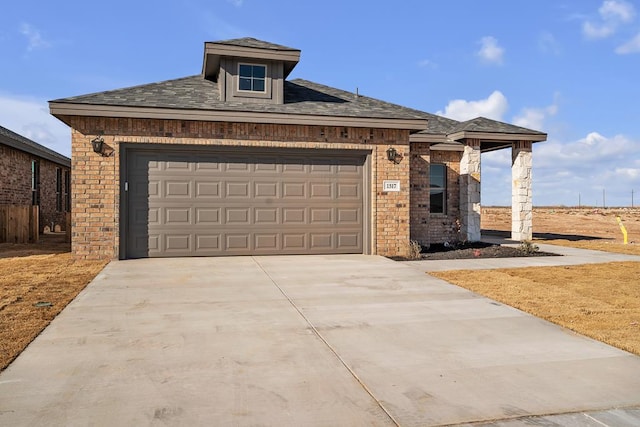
(521,197)
(470,190)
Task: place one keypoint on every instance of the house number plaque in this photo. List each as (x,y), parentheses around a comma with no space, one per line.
(391,185)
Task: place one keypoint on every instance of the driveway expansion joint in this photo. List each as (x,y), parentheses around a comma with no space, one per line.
(326,343)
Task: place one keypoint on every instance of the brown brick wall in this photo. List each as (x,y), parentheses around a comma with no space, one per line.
(427,228)
(95,183)
(15,185)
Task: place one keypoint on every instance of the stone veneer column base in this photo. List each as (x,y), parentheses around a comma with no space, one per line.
(470,190)
(521,196)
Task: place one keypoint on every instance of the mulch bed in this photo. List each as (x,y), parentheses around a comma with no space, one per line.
(471,250)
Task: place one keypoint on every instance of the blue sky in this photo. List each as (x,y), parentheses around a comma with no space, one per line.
(569,68)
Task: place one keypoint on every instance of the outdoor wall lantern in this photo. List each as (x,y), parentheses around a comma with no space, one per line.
(97,144)
(392,154)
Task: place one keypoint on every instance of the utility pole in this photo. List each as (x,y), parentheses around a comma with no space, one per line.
(631,198)
(579,204)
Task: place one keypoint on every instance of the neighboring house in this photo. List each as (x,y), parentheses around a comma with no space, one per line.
(31,174)
(238,160)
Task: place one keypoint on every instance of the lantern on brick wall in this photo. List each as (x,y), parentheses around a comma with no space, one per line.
(97,144)
(392,154)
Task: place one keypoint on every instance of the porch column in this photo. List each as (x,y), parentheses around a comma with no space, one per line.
(521,197)
(470,190)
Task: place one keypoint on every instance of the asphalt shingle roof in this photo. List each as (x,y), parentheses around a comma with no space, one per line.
(255,43)
(300,97)
(22,143)
(482,124)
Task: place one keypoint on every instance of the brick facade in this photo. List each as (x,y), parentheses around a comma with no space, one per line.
(15,185)
(428,228)
(96,186)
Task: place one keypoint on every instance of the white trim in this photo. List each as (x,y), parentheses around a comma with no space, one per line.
(266,78)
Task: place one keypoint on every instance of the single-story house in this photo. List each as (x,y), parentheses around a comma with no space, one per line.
(238,160)
(31,174)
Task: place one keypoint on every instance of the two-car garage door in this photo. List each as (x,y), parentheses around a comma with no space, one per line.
(205,203)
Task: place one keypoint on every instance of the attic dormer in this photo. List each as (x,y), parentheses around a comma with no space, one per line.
(249,70)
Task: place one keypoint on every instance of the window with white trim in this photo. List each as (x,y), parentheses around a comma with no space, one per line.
(252,77)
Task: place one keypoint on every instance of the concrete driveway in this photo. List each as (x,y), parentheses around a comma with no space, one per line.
(305,340)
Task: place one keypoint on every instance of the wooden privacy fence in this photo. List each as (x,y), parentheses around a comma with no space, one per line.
(19,224)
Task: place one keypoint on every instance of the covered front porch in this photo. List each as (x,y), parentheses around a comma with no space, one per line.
(483,135)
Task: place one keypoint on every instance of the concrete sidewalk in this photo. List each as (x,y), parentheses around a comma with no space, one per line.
(567,256)
(307,340)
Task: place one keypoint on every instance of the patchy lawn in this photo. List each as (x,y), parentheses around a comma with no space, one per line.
(601,301)
(36,282)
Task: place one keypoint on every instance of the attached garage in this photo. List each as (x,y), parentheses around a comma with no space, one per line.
(238,201)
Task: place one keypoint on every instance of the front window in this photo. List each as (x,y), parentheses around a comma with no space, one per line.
(252,78)
(438,188)
(35,182)
(67,191)
(58,190)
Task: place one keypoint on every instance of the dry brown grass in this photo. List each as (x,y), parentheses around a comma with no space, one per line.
(601,301)
(32,274)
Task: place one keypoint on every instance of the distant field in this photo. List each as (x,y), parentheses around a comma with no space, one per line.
(553,223)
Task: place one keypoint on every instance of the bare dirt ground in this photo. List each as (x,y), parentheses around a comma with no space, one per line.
(572,224)
(601,301)
(36,282)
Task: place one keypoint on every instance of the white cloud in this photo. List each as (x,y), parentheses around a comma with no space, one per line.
(493,107)
(30,118)
(632,46)
(566,172)
(533,118)
(613,14)
(35,40)
(425,63)
(236,3)
(547,43)
(490,51)
(614,10)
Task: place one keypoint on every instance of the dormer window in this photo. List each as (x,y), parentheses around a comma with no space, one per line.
(252,77)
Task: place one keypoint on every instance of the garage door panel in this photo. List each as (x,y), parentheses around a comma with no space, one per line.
(293,216)
(181,189)
(237,189)
(294,241)
(208,242)
(209,204)
(266,189)
(208,216)
(177,216)
(295,190)
(207,166)
(321,216)
(348,191)
(177,242)
(207,189)
(237,242)
(266,241)
(266,216)
(237,216)
(321,241)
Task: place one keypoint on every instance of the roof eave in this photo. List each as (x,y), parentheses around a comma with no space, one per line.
(214,51)
(61,109)
(491,136)
(63,160)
